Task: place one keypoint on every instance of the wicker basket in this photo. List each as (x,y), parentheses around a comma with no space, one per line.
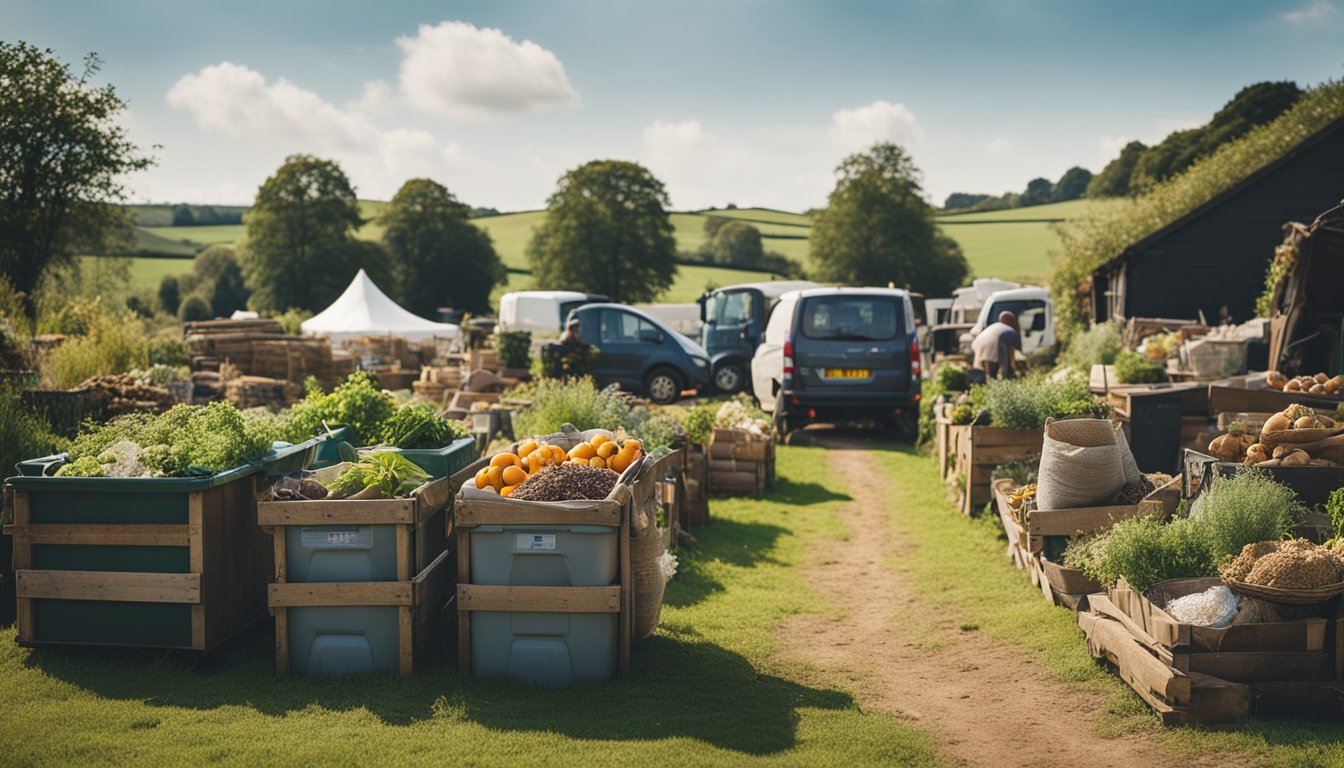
(1287,596)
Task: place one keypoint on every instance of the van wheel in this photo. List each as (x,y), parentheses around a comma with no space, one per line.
(782,425)
(729,378)
(663,386)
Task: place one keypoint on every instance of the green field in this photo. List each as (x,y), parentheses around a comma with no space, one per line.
(1070,210)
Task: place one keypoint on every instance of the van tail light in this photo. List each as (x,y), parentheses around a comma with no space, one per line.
(915,371)
(788,355)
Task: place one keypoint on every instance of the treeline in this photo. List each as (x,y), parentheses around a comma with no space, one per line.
(1071,186)
(734,243)
(205,215)
(1138,167)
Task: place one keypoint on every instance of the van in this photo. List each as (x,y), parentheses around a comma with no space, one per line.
(540,312)
(832,354)
(640,354)
(1034,312)
(734,319)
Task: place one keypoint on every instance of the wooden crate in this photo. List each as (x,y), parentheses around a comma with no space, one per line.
(203,564)
(978,451)
(1224,398)
(696,507)
(423,568)
(740,462)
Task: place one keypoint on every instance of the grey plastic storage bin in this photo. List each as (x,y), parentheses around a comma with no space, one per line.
(326,553)
(334,641)
(552,649)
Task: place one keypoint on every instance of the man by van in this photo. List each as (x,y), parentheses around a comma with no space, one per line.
(995,347)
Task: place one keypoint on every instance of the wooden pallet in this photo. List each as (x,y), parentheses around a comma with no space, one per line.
(978,451)
(420,597)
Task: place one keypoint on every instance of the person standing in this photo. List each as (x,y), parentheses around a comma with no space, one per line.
(994,349)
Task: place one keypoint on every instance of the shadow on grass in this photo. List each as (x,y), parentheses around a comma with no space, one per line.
(676,688)
(736,543)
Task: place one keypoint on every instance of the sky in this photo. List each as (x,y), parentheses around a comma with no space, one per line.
(743,102)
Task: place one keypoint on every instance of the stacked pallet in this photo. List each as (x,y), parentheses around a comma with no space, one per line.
(436,382)
(740,461)
(260,391)
(262,348)
(1194,674)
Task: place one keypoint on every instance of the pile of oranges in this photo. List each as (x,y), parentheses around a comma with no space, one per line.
(508,470)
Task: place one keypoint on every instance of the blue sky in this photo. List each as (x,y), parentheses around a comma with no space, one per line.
(740,101)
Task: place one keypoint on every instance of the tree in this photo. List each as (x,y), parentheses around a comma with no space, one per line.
(169,295)
(182,216)
(195,307)
(219,278)
(1072,185)
(440,257)
(737,244)
(606,231)
(958,200)
(1038,191)
(1113,181)
(299,248)
(63,156)
(877,228)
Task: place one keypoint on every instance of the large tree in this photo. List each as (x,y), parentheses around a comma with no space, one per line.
(63,157)
(1113,181)
(219,278)
(299,248)
(606,231)
(877,229)
(1072,185)
(440,257)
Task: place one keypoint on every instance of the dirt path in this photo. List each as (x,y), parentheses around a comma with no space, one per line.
(986,703)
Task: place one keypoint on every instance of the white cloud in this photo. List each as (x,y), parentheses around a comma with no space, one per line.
(458,71)
(860,128)
(998,146)
(1314,12)
(376,96)
(1111,146)
(238,102)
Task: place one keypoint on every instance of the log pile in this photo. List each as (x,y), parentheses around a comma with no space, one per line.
(740,461)
(436,383)
(258,348)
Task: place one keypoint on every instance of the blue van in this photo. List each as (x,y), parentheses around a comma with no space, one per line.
(832,354)
(641,354)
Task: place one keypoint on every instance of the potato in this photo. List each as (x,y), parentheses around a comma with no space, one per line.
(1275,380)
(1296,458)
(1317,389)
(1321,378)
(1277,423)
(1292,386)
(1256,454)
(1306,422)
(1326,421)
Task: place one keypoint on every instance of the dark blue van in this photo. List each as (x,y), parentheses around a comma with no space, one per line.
(641,354)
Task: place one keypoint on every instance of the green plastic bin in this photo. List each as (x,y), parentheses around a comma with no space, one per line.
(438,462)
(186,564)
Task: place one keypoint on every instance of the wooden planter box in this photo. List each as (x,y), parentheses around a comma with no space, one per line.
(1191,674)
(423,568)
(126,562)
(740,462)
(1313,485)
(1224,398)
(978,451)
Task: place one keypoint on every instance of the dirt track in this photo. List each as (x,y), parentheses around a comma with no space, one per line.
(984,702)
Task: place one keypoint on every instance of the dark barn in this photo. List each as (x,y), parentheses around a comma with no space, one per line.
(1216,255)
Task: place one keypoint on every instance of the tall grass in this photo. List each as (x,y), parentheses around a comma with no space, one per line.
(556,402)
(113,344)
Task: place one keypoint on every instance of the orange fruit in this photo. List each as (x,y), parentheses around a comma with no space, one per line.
(495,477)
(577,460)
(608,449)
(506,459)
(620,461)
(582,451)
(558,454)
(598,439)
(526,447)
(597,461)
(506,490)
(513,475)
(537,459)
(632,442)
(481,479)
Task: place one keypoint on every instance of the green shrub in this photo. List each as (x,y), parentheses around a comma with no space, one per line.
(1133,368)
(1027,403)
(291,320)
(195,307)
(658,430)
(357,402)
(112,345)
(570,401)
(23,435)
(946,378)
(515,348)
(166,351)
(699,422)
(1098,345)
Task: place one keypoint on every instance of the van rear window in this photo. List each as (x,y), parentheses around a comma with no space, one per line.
(852,318)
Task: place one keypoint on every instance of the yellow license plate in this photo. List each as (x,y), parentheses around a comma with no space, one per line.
(848,373)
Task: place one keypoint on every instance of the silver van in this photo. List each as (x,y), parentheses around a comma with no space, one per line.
(839,354)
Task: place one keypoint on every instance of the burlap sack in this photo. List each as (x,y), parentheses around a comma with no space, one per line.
(1084,463)
(646,574)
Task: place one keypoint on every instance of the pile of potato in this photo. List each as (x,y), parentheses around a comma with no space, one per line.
(1320,384)
(1295,437)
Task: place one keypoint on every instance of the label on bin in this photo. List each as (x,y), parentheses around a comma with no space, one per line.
(325,536)
(534,541)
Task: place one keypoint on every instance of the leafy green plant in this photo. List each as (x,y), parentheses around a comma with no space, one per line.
(111,344)
(357,402)
(1028,402)
(1246,508)
(291,320)
(659,430)
(1133,368)
(418,425)
(947,378)
(699,422)
(515,348)
(184,441)
(23,435)
(570,401)
(390,472)
(1020,472)
(1285,256)
(170,352)
(1098,345)
(1335,509)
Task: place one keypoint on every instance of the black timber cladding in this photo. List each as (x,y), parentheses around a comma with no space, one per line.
(1216,256)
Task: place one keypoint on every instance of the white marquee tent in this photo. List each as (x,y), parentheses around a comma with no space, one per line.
(364,310)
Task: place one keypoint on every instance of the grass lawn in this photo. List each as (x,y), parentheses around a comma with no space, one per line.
(146,272)
(960,565)
(705,690)
(1068,210)
(202,235)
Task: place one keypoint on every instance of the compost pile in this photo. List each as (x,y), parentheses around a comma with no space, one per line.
(127,393)
(567,482)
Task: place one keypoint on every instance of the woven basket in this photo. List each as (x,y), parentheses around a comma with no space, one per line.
(1287,596)
(1295,436)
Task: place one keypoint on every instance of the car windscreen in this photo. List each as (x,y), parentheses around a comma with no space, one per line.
(852,318)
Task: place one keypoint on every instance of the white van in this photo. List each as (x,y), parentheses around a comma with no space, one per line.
(1035,316)
(540,312)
